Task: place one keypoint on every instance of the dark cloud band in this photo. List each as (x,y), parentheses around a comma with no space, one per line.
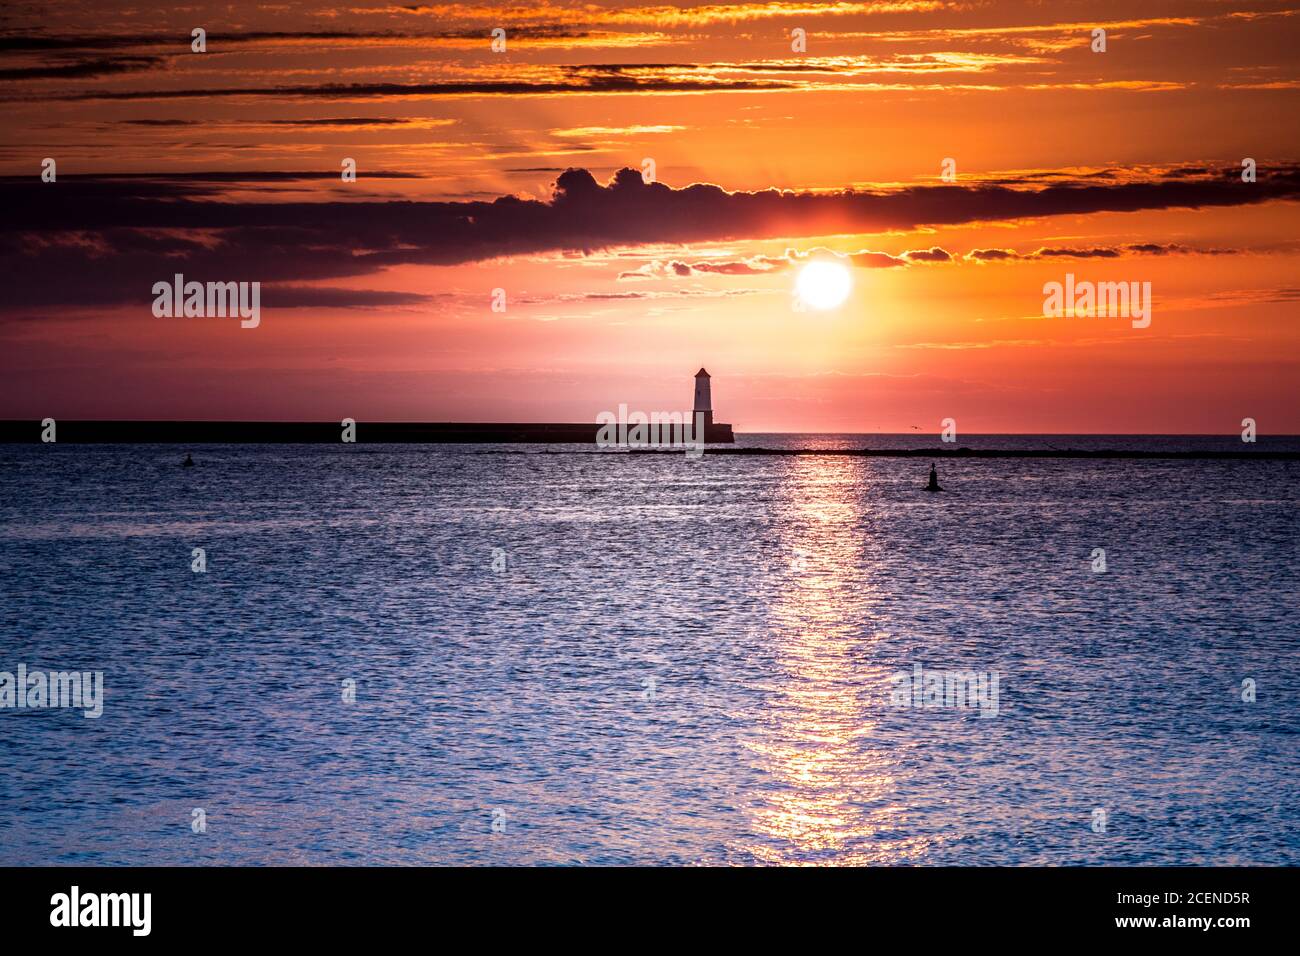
(100,241)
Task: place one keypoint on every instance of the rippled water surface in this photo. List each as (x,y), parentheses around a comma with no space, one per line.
(682,661)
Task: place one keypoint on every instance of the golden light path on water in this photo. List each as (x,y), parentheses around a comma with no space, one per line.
(832,798)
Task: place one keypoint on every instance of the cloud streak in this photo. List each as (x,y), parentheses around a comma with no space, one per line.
(1095,252)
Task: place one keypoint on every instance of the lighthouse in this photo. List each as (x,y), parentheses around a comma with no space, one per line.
(703,398)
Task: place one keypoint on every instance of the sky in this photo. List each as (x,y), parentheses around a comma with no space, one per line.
(629,191)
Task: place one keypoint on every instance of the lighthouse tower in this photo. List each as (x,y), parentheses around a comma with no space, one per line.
(703,398)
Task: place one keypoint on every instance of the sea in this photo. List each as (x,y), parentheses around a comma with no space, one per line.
(372,654)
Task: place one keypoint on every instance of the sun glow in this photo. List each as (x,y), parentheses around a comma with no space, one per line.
(823,285)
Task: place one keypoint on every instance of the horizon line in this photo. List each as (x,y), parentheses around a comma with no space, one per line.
(13,422)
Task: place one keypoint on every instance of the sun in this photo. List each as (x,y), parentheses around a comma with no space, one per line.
(823,285)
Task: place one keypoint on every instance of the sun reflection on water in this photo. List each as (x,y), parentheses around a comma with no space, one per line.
(832,795)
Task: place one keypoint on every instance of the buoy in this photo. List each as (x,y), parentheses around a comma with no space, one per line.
(934,481)
(188,462)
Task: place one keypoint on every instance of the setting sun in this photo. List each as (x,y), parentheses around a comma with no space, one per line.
(823,285)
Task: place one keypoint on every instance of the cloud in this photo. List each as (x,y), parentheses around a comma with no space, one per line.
(991,255)
(653,15)
(82,68)
(762,265)
(217,39)
(570,80)
(103,240)
(1256,296)
(588,131)
(1096,252)
(933,254)
(559,80)
(876,260)
(320,297)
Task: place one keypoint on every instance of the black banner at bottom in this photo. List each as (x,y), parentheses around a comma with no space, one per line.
(218,905)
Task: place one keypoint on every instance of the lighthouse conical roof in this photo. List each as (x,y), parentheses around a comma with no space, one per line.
(704,373)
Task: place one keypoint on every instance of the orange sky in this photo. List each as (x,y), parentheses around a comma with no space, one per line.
(1114,166)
